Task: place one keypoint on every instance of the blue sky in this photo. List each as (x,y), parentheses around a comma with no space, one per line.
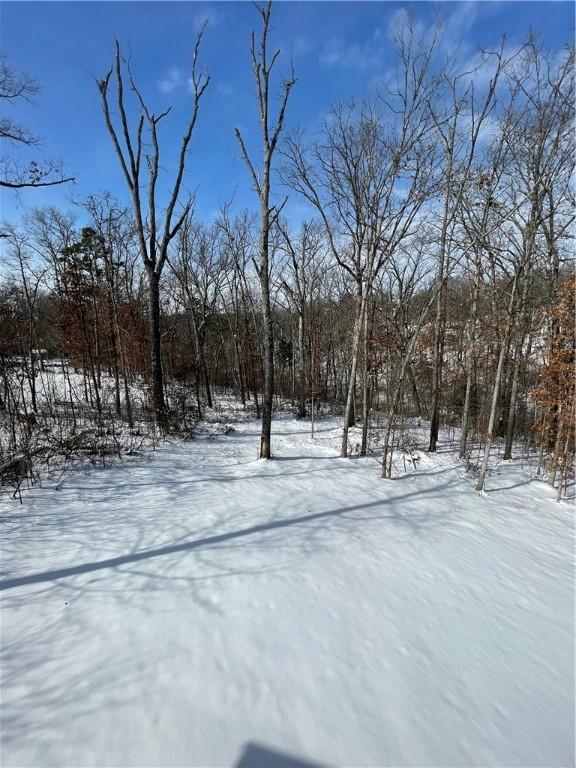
(339,49)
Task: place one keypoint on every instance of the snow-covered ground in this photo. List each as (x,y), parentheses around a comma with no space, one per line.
(173,609)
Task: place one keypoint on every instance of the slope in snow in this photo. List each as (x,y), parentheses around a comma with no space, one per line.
(172,611)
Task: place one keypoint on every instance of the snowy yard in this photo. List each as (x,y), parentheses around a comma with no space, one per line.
(173,609)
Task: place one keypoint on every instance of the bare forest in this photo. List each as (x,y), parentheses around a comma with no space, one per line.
(287,384)
(432,282)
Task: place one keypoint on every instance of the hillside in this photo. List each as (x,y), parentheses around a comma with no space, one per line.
(174,609)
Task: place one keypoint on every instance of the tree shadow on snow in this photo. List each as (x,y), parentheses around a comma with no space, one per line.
(410,519)
(71,691)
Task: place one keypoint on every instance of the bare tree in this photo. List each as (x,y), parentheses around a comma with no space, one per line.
(540,121)
(236,241)
(15,174)
(304,263)
(368,177)
(155,232)
(271,130)
(30,277)
(199,268)
(459,149)
(114,226)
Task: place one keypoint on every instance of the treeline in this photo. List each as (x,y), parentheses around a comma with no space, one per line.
(432,280)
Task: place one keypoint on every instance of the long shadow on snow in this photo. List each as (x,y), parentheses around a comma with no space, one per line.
(66,697)
(114,562)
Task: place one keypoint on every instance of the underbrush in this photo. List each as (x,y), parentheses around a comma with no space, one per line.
(63,425)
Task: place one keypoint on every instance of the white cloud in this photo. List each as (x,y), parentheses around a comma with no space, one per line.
(489,130)
(301,46)
(456,27)
(399,22)
(209,17)
(173,80)
(365,55)
(456,20)
(461,20)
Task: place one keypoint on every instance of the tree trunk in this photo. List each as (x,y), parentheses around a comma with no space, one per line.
(365,394)
(361,304)
(516,373)
(32,372)
(438,323)
(200,339)
(470,364)
(436,367)
(496,391)
(239,367)
(415,393)
(158,402)
(301,372)
(115,355)
(512,407)
(268,394)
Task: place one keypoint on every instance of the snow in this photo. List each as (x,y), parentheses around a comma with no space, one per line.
(171,610)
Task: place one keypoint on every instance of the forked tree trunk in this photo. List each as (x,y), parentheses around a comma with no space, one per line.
(270,134)
(153,239)
(496,390)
